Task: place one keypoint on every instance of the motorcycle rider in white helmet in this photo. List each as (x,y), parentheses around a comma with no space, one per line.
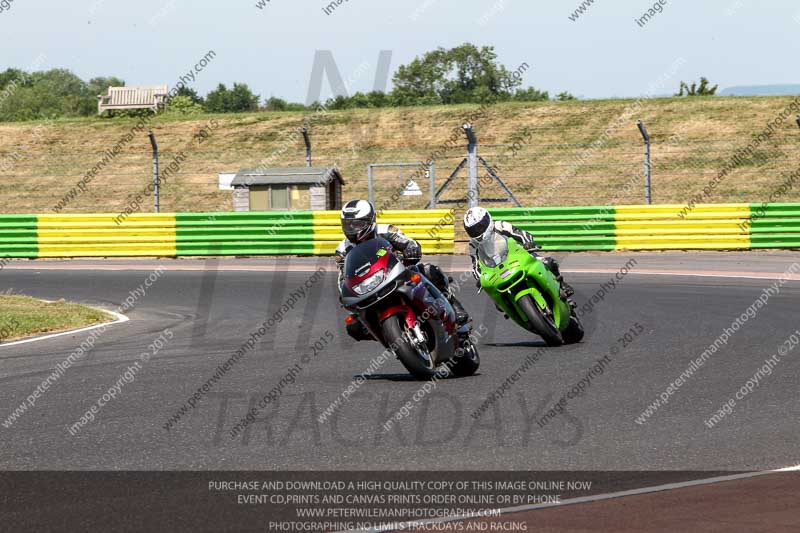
(359,224)
(479,225)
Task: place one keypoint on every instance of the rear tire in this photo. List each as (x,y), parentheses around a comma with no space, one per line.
(405,351)
(574,332)
(542,326)
(466,362)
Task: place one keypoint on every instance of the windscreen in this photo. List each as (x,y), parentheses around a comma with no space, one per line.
(493,250)
(364,254)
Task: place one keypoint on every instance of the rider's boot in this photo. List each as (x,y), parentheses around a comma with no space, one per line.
(462,317)
(442,282)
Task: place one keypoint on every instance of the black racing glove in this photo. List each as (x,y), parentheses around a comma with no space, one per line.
(413,253)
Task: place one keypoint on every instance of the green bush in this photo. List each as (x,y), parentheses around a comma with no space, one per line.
(183,105)
(238,99)
(49,94)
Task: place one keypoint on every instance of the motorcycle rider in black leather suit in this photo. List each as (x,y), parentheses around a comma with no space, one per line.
(359,224)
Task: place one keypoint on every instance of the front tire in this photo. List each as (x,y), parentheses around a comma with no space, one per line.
(541,325)
(411,359)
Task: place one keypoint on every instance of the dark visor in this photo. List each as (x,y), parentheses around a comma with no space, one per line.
(478,229)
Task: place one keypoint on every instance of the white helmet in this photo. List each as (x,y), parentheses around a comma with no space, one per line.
(477,222)
(358,221)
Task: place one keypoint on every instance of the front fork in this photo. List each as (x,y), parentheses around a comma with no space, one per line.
(417,338)
(412,332)
(415,335)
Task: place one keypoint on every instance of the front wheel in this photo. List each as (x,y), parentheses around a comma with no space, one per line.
(541,324)
(417,360)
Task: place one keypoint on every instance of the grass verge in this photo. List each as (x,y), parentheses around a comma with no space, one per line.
(693,139)
(23,316)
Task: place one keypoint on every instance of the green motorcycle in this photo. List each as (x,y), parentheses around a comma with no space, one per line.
(526,291)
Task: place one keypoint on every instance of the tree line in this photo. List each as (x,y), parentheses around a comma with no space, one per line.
(461,75)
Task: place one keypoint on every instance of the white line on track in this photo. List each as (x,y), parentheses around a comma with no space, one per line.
(120,318)
(701,274)
(599,497)
(331,268)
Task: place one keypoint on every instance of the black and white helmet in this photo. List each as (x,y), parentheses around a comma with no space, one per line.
(477,222)
(358,221)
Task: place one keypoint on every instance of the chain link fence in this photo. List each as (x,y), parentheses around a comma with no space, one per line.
(539,174)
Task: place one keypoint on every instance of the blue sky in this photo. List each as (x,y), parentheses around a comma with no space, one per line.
(602,54)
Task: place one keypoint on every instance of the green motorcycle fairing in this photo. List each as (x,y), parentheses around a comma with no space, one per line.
(508,272)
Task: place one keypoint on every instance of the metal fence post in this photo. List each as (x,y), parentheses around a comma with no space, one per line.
(472,166)
(369,185)
(647,166)
(156,199)
(432,181)
(307,140)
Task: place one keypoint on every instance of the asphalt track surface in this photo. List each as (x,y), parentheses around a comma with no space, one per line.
(213,308)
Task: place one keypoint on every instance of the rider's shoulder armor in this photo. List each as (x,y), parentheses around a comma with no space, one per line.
(343,247)
(383,229)
(503,226)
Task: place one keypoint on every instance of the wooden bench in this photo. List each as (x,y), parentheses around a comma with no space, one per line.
(132,98)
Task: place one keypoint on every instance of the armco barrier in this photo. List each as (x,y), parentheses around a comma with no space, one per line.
(565,228)
(631,227)
(188,234)
(245,233)
(659,227)
(297,233)
(141,234)
(774,226)
(432,228)
(18,236)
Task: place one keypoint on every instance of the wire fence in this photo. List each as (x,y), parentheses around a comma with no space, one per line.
(539,174)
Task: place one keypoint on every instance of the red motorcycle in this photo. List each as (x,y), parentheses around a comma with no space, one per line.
(405,312)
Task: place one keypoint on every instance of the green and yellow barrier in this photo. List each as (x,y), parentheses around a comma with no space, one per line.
(199,234)
(296,232)
(628,227)
(432,228)
(245,233)
(565,228)
(140,234)
(18,236)
(706,227)
(774,226)
(660,227)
